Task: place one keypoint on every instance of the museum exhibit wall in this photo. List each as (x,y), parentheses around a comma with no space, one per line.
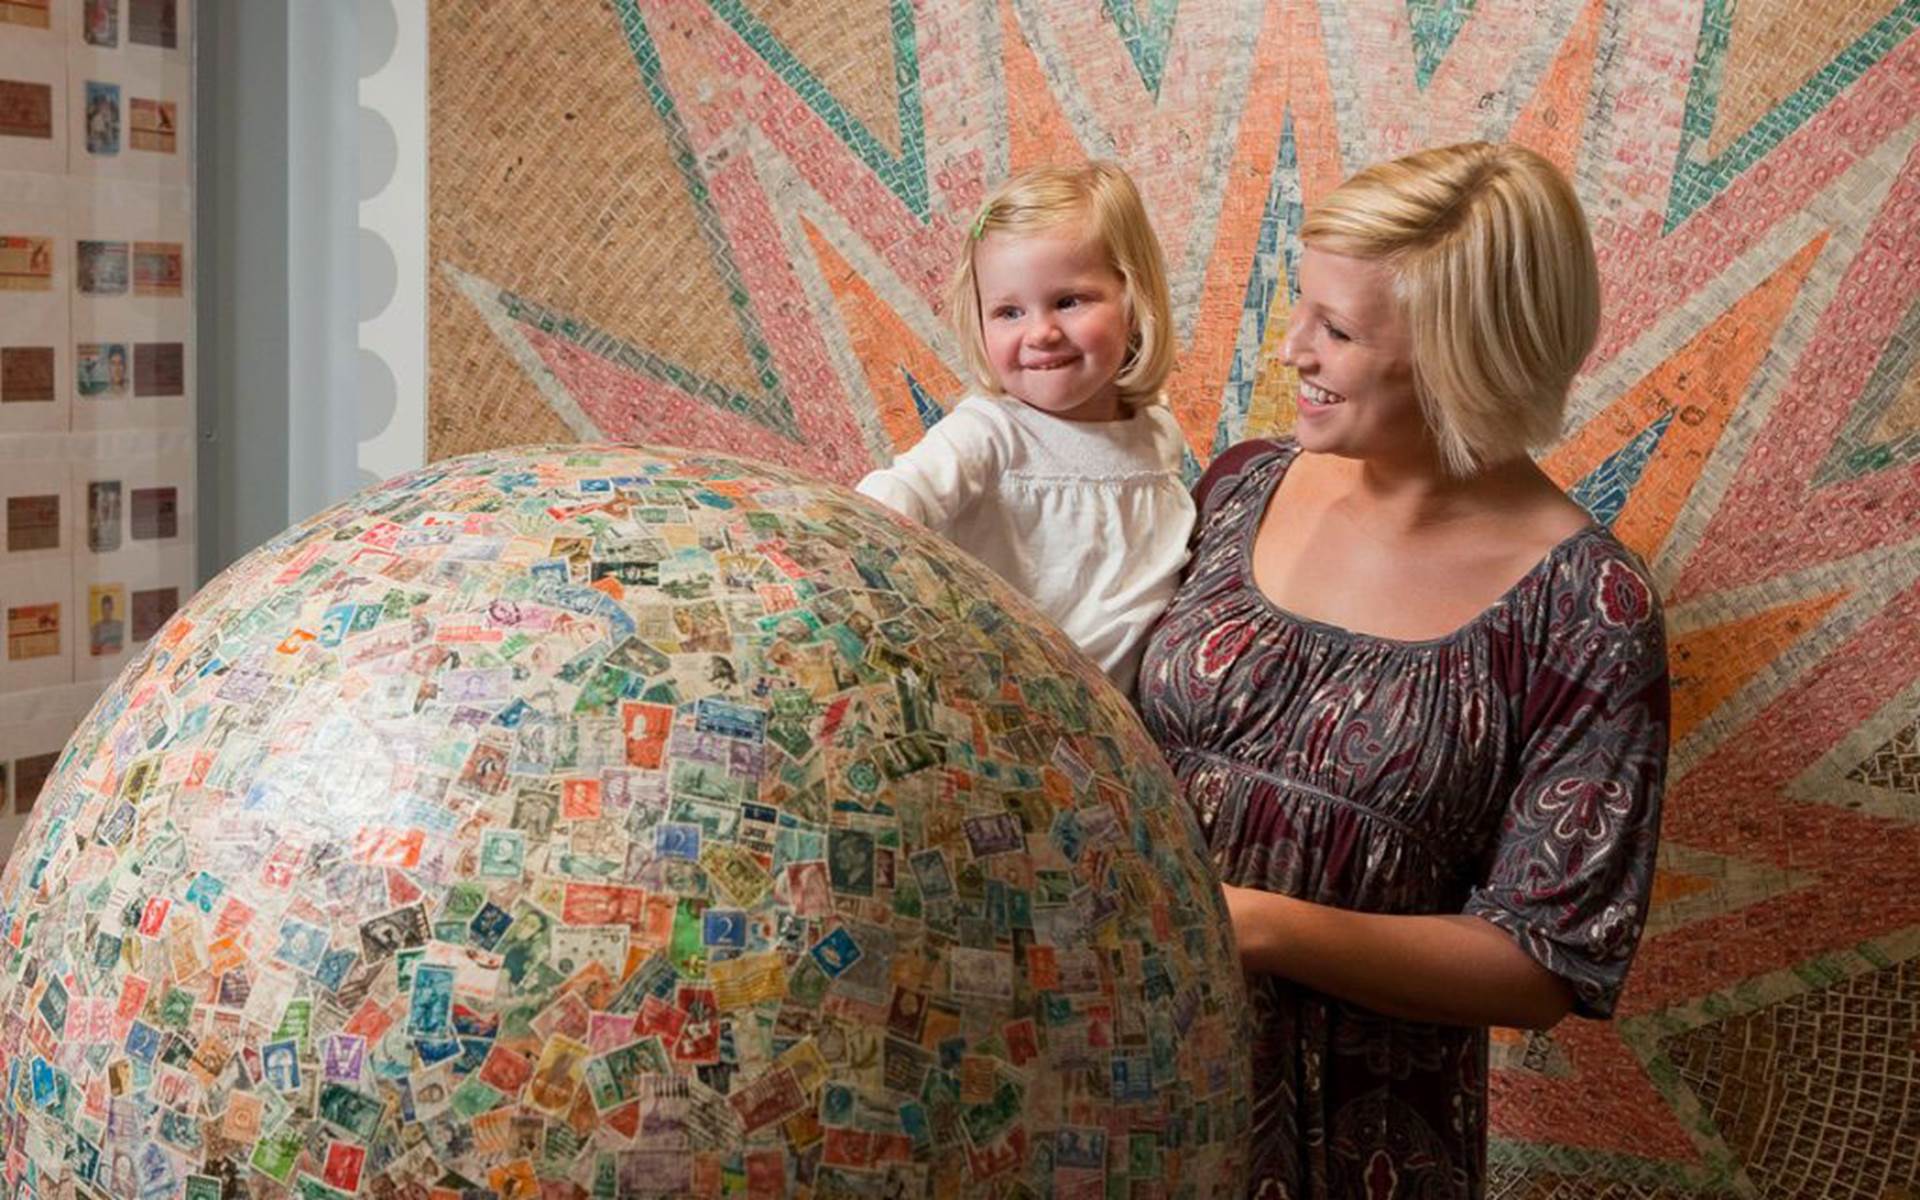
(97,358)
(727,224)
(274,153)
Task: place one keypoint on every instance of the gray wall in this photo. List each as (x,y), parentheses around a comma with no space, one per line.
(275,88)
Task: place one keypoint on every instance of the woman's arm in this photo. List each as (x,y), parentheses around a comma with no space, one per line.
(1449,969)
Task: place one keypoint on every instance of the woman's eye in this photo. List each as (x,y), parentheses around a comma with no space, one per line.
(1335,332)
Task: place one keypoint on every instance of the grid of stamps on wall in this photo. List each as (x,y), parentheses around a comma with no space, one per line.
(603,821)
(96,350)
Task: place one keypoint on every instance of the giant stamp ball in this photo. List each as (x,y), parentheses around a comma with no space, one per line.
(613,821)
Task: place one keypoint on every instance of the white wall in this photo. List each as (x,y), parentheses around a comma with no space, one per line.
(391,375)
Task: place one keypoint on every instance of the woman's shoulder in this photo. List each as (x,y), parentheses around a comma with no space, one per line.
(1597,613)
(1240,455)
(1230,468)
(1617,585)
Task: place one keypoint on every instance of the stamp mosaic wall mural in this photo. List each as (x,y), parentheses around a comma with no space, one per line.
(725,224)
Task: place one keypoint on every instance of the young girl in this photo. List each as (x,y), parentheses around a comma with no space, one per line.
(1062,472)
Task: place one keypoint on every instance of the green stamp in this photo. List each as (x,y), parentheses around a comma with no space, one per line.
(274,1154)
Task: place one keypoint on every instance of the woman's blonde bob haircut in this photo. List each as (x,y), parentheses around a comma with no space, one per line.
(1098,200)
(1494,273)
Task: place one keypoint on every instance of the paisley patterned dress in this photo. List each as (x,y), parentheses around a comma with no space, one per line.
(1511,770)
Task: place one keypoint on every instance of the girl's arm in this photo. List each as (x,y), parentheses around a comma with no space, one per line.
(956,463)
(1446,969)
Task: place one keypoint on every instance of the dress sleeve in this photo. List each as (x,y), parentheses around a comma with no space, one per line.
(1223,475)
(957,462)
(1572,868)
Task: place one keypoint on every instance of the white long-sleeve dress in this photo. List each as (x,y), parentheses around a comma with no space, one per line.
(1088,519)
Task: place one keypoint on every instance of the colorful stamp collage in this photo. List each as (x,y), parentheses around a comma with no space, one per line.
(601,821)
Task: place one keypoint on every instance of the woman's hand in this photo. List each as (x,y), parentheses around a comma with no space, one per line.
(1256,917)
(1449,969)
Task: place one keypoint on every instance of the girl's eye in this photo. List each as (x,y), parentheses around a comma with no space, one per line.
(1070,302)
(1004,313)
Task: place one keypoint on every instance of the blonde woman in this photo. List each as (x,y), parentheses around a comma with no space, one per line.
(1416,696)
(1062,471)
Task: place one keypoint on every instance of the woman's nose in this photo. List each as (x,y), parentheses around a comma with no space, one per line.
(1293,345)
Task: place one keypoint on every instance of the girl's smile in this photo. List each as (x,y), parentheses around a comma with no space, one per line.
(1056,322)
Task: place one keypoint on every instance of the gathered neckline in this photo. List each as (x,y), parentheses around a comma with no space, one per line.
(1285,456)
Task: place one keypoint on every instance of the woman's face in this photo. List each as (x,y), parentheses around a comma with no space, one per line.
(1350,345)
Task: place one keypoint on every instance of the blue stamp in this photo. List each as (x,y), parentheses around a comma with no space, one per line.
(836,952)
(143,1041)
(677,840)
(725,927)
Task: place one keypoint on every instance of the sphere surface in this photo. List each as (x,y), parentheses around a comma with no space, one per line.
(615,821)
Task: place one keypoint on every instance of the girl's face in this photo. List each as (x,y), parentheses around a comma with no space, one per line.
(1056,320)
(1348,341)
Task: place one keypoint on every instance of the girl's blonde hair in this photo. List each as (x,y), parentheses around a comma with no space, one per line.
(1099,199)
(1495,276)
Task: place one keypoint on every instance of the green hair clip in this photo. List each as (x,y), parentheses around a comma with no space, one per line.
(979,225)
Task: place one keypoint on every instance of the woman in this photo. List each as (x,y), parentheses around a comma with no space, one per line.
(1416,697)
